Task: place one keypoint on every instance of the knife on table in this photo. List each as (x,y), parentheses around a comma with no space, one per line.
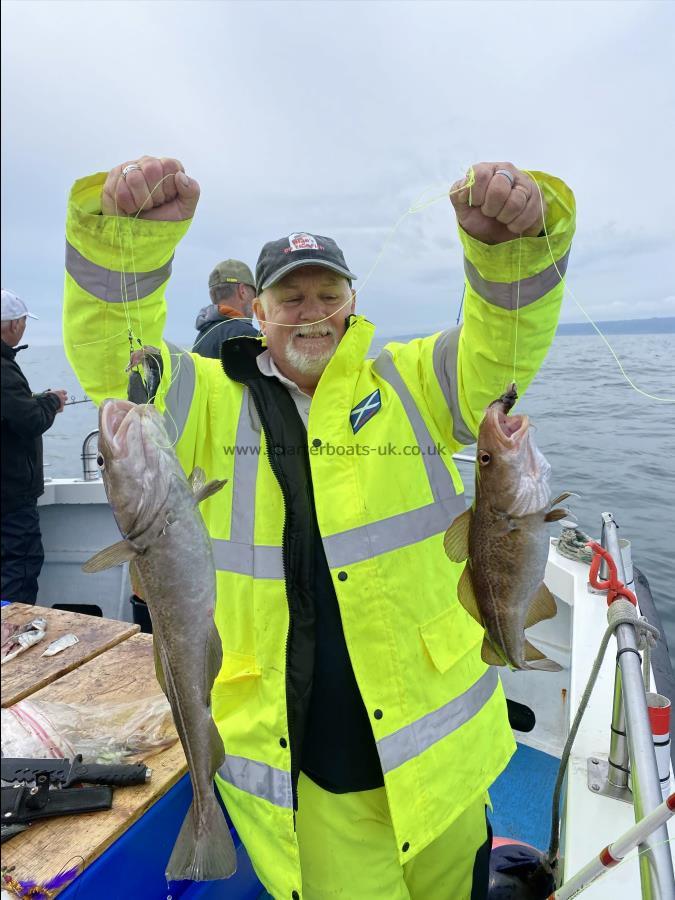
(64,772)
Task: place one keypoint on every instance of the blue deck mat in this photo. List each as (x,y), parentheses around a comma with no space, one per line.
(133,866)
(521,797)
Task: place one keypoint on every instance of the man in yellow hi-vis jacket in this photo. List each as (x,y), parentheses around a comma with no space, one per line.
(361,727)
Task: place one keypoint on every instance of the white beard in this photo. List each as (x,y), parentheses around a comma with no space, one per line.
(309,363)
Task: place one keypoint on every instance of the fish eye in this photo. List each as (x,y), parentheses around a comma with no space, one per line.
(100,462)
(484,458)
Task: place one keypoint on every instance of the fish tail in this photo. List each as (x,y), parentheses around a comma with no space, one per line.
(545,665)
(204,849)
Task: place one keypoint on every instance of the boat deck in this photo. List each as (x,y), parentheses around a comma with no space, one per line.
(521,800)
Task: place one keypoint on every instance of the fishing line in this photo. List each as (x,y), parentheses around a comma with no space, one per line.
(514,380)
(568,290)
(416,207)
(104,340)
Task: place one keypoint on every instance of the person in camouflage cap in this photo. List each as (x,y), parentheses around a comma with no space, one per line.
(229,314)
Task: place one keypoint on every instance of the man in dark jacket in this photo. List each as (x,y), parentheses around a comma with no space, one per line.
(232,289)
(25,418)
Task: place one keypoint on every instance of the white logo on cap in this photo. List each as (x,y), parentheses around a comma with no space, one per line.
(302,241)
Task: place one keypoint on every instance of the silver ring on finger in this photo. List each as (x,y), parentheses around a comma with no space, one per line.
(506,175)
(132,167)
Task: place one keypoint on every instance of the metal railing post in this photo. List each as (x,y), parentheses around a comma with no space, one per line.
(90,470)
(618,762)
(656,864)
(617,771)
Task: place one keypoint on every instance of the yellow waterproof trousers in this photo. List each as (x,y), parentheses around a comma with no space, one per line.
(348,850)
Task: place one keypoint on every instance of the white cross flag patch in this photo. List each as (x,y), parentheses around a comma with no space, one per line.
(365,410)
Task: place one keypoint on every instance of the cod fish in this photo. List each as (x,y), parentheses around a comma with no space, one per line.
(169,552)
(504,539)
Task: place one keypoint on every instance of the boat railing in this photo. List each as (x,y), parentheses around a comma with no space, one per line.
(464,457)
(90,471)
(632,744)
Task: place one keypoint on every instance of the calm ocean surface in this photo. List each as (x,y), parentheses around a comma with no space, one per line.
(604,441)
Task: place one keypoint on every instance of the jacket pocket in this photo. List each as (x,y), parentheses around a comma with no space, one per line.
(449,636)
(236,668)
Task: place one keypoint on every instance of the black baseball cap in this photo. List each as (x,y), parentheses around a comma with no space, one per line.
(278,258)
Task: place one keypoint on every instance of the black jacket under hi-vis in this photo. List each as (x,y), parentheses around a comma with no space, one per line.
(25,418)
(330,736)
(214,328)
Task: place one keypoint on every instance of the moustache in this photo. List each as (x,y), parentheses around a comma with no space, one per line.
(319,329)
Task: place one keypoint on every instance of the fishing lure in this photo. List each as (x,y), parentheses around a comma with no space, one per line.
(40,891)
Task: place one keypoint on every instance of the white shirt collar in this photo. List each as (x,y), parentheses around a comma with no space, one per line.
(268,367)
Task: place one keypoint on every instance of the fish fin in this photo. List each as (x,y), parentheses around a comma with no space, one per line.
(210,488)
(537,660)
(200,487)
(467,595)
(204,850)
(213,659)
(456,540)
(216,746)
(489,655)
(564,496)
(543,606)
(115,555)
(197,479)
(159,671)
(530,652)
(554,515)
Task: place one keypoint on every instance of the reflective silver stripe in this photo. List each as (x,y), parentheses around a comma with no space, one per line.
(414,739)
(266,782)
(110,285)
(240,555)
(403,530)
(439,477)
(247,441)
(180,393)
(446,350)
(246,559)
(508,295)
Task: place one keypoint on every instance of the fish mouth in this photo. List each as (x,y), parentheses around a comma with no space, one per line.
(509,430)
(115,417)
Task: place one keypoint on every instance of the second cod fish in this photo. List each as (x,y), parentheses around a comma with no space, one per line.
(504,539)
(169,552)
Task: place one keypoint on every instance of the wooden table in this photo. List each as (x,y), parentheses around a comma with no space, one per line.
(29,671)
(126,672)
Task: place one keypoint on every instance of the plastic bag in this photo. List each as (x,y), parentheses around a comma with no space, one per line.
(104,733)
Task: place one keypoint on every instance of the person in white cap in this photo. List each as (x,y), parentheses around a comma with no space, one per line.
(25,418)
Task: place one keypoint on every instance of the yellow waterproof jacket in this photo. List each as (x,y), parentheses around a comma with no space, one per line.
(380,440)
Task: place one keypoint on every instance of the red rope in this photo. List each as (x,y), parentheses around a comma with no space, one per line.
(613,586)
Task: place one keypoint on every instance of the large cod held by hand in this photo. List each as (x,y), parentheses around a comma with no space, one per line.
(169,553)
(504,539)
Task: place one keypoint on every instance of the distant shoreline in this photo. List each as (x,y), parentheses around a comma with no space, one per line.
(656,325)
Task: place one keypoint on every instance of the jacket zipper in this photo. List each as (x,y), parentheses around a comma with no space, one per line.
(295,766)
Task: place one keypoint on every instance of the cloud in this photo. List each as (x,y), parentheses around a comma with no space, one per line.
(334,118)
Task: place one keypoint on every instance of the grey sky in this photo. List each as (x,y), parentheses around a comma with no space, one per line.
(333,118)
